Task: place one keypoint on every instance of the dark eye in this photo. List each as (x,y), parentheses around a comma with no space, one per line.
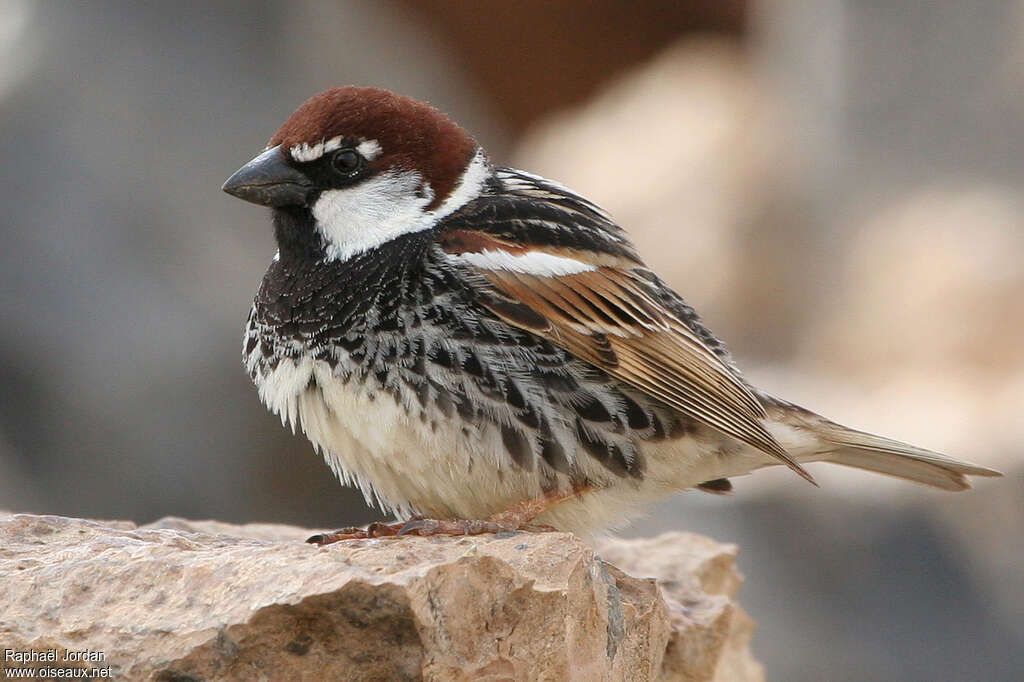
(346,162)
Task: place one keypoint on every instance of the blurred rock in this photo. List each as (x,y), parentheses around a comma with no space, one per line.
(923,338)
(182,600)
(530,34)
(686,564)
(939,270)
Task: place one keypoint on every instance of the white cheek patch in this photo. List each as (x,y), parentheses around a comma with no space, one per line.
(530,263)
(375,211)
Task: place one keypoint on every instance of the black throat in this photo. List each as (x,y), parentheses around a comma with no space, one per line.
(308,298)
(296,233)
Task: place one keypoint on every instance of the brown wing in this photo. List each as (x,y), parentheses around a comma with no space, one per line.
(606,315)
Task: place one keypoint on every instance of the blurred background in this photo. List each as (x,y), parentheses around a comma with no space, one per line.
(836,186)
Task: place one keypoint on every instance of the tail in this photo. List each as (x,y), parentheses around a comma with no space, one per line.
(886,456)
(831,442)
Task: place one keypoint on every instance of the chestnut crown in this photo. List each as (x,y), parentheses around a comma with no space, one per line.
(404,133)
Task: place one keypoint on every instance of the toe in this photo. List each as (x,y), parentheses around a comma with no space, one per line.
(349,533)
(382,530)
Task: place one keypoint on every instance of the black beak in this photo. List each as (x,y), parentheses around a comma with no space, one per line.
(269,181)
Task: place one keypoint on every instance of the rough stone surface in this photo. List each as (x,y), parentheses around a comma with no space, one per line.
(182,601)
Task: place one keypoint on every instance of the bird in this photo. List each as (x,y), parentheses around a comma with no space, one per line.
(479,349)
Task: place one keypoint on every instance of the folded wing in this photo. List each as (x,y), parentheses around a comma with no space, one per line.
(601,304)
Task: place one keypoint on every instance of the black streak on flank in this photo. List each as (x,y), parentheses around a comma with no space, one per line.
(518,446)
(607,453)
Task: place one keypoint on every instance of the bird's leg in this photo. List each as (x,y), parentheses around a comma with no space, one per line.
(517,517)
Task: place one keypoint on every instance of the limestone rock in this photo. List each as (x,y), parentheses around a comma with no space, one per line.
(185,601)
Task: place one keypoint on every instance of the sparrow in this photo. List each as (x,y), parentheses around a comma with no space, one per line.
(479,349)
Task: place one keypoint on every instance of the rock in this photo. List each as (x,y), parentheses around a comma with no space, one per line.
(184,600)
(699,581)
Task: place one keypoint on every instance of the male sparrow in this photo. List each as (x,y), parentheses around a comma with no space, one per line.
(481,347)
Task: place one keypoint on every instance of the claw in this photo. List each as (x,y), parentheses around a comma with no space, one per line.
(418,526)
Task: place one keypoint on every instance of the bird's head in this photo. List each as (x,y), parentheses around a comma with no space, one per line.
(354,168)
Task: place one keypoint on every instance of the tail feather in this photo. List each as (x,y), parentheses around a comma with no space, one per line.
(841,445)
(886,456)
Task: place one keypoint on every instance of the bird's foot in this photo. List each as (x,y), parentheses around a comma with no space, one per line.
(377,529)
(518,517)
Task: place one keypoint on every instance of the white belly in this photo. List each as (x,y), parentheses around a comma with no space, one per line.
(447,469)
(400,462)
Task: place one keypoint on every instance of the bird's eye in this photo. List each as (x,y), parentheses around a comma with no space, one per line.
(346,162)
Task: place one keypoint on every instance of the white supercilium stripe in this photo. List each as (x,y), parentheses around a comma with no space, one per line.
(304,153)
(531,263)
(370,149)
